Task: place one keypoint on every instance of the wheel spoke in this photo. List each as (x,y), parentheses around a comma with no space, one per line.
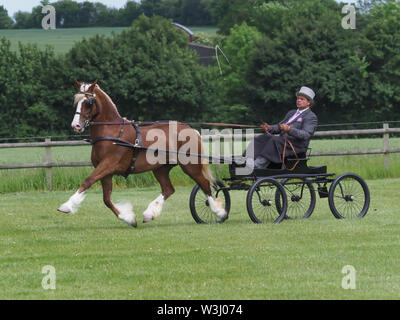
(349,197)
(301,198)
(266,202)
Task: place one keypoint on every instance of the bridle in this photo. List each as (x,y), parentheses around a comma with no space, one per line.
(90,101)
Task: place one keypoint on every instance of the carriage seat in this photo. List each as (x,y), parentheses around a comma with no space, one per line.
(278,168)
(302,166)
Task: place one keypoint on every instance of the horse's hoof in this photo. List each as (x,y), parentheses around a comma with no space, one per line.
(222,219)
(64,209)
(147,219)
(222,215)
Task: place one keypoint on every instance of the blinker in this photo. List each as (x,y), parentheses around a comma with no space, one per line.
(90,102)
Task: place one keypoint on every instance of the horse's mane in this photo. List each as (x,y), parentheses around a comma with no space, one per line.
(107,97)
(80,96)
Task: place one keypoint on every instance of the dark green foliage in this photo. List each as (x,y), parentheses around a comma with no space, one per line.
(303,43)
(148,71)
(5,21)
(28,96)
(274,48)
(72,14)
(306,45)
(381,48)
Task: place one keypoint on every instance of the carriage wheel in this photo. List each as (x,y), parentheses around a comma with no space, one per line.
(349,196)
(266,201)
(300,196)
(199,206)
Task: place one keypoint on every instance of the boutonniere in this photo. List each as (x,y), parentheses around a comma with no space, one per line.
(299,119)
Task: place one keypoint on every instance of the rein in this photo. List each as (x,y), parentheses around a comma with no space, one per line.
(137,146)
(294,152)
(93,123)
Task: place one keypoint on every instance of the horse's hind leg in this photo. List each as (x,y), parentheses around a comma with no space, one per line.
(155,207)
(201,174)
(122,210)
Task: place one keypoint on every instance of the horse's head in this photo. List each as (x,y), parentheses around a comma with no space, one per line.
(85,104)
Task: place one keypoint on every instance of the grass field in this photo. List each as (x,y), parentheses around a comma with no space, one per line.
(63,39)
(96,256)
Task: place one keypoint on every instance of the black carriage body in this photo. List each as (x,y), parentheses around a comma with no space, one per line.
(287,191)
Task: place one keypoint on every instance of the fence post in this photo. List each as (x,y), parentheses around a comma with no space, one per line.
(49,170)
(386,155)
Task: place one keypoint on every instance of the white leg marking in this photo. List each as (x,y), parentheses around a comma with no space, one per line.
(216,207)
(73,204)
(126,213)
(154,209)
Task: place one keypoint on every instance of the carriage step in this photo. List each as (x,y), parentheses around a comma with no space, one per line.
(323,192)
(239,186)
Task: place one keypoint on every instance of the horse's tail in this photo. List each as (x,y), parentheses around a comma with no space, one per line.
(205,168)
(206,171)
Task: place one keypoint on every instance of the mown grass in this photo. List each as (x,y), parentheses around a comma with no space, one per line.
(60,39)
(96,256)
(63,39)
(18,180)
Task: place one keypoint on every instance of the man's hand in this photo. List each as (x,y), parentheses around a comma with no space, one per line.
(265,127)
(284,127)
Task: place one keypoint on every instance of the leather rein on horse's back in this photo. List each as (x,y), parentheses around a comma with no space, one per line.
(230,125)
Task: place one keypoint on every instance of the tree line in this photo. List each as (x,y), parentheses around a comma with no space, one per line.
(72,14)
(273,48)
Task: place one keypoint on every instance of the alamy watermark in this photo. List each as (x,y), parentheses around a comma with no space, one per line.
(49,20)
(349,280)
(349,20)
(49,280)
(182,146)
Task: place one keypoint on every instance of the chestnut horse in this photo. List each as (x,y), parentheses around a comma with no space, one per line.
(95,108)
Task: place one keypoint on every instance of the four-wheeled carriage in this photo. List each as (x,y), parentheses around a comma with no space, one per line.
(286,192)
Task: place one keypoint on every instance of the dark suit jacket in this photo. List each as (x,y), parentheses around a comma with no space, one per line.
(303,128)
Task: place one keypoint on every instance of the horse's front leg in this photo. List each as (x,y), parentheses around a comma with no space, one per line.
(74,202)
(124,210)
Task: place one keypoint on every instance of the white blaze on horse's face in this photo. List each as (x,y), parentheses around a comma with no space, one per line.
(80,98)
(77,124)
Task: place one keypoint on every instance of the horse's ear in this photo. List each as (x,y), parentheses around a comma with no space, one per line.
(92,86)
(77,84)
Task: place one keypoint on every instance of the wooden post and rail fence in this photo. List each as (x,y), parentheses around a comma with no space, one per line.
(49,164)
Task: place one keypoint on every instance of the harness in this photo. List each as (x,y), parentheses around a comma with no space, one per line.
(137,146)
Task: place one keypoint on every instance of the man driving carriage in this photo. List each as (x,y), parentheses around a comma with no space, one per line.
(295,132)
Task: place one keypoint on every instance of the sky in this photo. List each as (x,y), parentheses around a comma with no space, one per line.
(12,6)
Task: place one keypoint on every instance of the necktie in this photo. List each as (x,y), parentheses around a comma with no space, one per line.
(293,117)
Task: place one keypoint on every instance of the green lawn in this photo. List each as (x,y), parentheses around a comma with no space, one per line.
(96,256)
(63,39)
